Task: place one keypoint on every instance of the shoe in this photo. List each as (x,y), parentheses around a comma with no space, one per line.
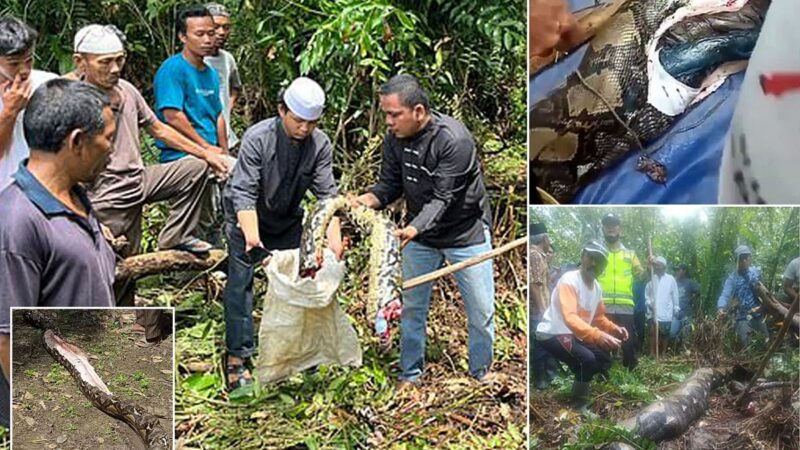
(195,246)
(580,399)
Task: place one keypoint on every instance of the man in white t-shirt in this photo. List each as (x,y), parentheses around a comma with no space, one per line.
(230,84)
(575,329)
(662,294)
(791,279)
(18,80)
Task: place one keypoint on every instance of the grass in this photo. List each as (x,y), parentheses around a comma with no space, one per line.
(56,375)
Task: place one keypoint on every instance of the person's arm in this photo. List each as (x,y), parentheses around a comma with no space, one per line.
(15,96)
(790,278)
(176,140)
(245,185)
(234,83)
(20,278)
(177,119)
(725,296)
(636,265)
(222,134)
(676,302)
(334,235)
(568,298)
(788,288)
(390,183)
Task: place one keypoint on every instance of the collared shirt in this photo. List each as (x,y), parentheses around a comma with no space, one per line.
(19,146)
(439,174)
(743,287)
(120,183)
(273,174)
(49,255)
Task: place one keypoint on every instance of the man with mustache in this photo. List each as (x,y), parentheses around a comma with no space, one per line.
(187,92)
(18,80)
(431,160)
(617,283)
(52,250)
(575,329)
(280,160)
(222,61)
(126,185)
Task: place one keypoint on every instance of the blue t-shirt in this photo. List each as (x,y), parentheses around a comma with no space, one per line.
(180,85)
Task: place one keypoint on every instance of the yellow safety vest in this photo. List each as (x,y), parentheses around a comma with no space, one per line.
(617,279)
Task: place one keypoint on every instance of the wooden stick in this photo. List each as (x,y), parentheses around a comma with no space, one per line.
(655,292)
(422,279)
(778,339)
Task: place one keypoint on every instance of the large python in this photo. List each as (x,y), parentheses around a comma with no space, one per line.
(603,111)
(76,361)
(385,268)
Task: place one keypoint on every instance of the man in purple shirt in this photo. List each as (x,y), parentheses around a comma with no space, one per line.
(52,251)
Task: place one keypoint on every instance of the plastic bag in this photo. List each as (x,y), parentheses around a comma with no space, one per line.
(302,325)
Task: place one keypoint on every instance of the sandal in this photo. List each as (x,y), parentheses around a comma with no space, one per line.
(195,246)
(239,370)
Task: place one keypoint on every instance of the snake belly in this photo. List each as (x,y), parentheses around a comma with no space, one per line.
(76,361)
(384,265)
(601,112)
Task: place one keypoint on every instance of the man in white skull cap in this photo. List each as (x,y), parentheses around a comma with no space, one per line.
(662,300)
(126,185)
(280,159)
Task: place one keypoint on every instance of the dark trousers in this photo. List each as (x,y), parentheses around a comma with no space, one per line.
(541,359)
(154,322)
(238,294)
(640,320)
(627,321)
(585,360)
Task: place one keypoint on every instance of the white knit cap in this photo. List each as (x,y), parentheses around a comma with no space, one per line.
(305,98)
(97,40)
(661,260)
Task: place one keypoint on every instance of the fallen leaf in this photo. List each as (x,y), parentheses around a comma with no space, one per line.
(28,396)
(61,439)
(166,372)
(259,415)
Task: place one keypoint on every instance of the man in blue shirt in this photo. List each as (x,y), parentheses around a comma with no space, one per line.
(187,92)
(743,284)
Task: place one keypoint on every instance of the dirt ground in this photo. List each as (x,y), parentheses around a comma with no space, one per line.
(50,412)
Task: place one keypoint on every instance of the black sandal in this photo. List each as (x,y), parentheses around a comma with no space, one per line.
(239,370)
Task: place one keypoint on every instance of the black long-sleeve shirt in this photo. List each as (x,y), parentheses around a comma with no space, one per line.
(273,174)
(439,174)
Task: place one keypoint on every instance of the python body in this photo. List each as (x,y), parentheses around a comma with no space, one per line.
(652,60)
(76,361)
(385,269)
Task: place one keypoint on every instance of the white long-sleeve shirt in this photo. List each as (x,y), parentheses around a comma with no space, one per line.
(666,297)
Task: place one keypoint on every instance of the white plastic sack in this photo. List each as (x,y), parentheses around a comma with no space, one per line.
(302,325)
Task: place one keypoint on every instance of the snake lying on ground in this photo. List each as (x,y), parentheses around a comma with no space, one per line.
(613,104)
(385,268)
(76,361)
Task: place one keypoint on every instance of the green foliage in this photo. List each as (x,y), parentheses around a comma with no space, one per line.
(594,434)
(701,237)
(56,375)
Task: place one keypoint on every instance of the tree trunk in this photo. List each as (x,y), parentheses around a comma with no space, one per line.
(672,416)
(165,261)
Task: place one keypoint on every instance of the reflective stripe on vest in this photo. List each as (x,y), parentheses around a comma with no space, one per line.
(617,279)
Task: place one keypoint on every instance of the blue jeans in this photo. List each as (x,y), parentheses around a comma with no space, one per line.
(476,285)
(238,296)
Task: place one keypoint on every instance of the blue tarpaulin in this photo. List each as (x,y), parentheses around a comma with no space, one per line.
(691,150)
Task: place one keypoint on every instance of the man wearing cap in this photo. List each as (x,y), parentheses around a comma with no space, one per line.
(432,161)
(280,160)
(791,279)
(126,185)
(743,284)
(539,293)
(662,295)
(617,283)
(52,251)
(230,84)
(18,80)
(575,329)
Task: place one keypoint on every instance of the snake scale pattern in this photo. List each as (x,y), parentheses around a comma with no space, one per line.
(385,268)
(601,113)
(76,361)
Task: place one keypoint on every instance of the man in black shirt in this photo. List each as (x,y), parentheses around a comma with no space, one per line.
(280,159)
(431,160)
